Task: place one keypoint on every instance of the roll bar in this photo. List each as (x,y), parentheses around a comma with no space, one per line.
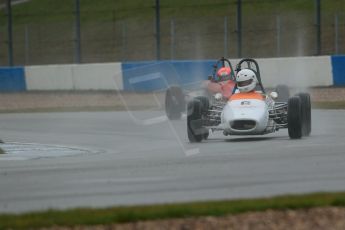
(252,65)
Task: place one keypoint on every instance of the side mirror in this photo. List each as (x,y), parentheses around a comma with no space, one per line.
(274,95)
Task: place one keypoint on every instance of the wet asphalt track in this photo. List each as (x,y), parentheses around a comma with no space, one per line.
(137,159)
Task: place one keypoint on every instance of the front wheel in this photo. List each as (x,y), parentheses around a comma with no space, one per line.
(295,119)
(306,113)
(174,102)
(195,131)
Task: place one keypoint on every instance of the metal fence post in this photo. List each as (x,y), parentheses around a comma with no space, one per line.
(9,32)
(336,35)
(239,28)
(124,41)
(158,32)
(27,45)
(318,27)
(172,39)
(278,35)
(225,36)
(77,54)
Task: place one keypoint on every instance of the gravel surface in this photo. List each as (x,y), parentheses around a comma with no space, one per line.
(311,219)
(327,94)
(43,100)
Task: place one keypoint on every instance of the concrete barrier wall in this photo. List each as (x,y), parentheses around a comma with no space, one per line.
(294,72)
(106,76)
(338,68)
(148,76)
(50,77)
(12,79)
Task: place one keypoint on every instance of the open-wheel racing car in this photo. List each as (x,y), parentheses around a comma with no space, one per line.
(221,81)
(249,110)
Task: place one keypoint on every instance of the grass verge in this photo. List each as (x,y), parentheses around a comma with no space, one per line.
(106,216)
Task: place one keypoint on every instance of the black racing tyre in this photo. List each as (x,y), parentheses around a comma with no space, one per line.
(195,131)
(175,102)
(205,105)
(205,102)
(283,93)
(295,117)
(206,135)
(306,113)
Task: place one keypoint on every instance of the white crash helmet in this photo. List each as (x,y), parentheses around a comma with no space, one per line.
(246,80)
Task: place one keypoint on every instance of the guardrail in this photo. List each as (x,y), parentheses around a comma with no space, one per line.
(12,79)
(338,68)
(107,76)
(295,72)
(149,76)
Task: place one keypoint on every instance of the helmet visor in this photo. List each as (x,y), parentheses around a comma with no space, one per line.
(244,83)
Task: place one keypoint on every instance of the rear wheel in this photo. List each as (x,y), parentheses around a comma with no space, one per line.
(174,102)
(205,104)
(195,131)
(295,121)
(306,113)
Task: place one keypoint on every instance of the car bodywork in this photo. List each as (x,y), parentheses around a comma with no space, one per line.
(176,97)
(253,113)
